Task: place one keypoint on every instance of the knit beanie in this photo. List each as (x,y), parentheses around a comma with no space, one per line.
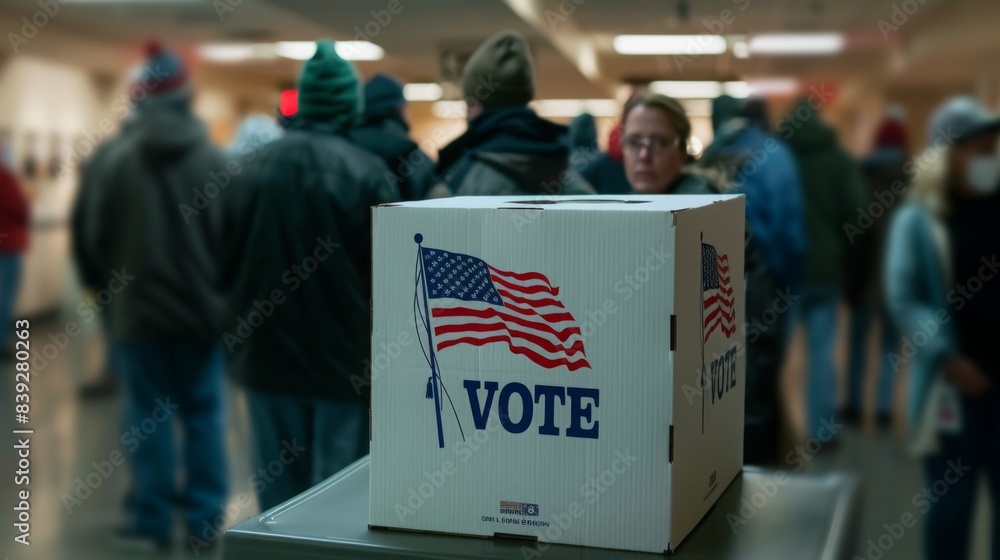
(891,134)
(161,80)
(500,73)
(329,88)
(383,96)
(724,109)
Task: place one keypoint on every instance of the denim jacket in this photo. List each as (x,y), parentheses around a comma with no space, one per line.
(917,271)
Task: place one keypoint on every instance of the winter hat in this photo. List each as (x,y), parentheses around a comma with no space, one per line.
(383,96)
(756,113)
(724,109)
(958,119)
(891,133)
(500,73)
(162,79)
(329,88)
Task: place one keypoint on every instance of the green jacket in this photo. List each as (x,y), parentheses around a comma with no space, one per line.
(833,189)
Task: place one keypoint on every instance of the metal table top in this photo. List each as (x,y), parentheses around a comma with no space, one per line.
(808,517)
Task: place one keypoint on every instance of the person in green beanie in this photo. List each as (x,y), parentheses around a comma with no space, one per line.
(507,149)
(299,329)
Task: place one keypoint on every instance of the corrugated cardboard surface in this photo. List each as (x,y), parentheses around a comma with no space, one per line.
(708,432)
(614,267)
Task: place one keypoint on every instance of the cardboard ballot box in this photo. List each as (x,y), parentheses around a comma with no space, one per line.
(536,366)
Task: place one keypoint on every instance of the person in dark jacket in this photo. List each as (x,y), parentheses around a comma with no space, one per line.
(762,168)
(507,149)
(886,177)
(384,132)
(581,139)
(600,169)
(15,220)
(942,292)
(834,196)
(166,307)
(301,330)
(655,136)
(86,255)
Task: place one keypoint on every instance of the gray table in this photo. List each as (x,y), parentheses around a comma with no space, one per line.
(811,517)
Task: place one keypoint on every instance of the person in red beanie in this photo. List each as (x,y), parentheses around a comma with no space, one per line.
(14,221)
(887,180)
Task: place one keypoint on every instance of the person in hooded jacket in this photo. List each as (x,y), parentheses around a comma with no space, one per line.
(762,168)
(164,271)
(655,138)
(600,169)
(86,255)
(885,171)
(508,149)
(301,332)
(834,194)
(384,131)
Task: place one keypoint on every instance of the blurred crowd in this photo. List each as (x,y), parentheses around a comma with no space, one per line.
(256,260)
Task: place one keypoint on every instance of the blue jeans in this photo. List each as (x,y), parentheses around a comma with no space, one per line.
(10,276)
(167,381)
(819,313)
(301,441)
(951,481)
(861,322)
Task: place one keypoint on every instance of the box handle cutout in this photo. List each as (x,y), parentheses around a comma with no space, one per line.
(671,452)
(673,333)
(529,538)
(580,201)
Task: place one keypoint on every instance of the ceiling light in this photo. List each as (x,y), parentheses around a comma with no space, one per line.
(449,109)
(670,44)
(739,90)
(349,50)
(688,90)
(741,49)
(422,92)
(568,108)
(235,52)
(359,50)
(797,43)
(774,86)
(297,50)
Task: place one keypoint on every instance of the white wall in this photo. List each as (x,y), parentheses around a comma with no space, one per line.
(46,101)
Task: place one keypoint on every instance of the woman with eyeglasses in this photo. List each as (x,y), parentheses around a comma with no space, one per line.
(655,136)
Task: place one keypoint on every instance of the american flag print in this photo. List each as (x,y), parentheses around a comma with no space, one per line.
(718,292)
(475,303)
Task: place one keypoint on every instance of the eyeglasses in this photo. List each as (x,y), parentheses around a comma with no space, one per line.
(655,144)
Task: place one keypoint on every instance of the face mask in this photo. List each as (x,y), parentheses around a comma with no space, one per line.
(984,174)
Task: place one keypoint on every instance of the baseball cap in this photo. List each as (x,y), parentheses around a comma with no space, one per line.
(960,118)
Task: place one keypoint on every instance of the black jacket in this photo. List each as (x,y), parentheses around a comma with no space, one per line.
(150,240)
(764,342)
(388,138)
(301,322)
(92,175)
(510,151)
(887,180)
